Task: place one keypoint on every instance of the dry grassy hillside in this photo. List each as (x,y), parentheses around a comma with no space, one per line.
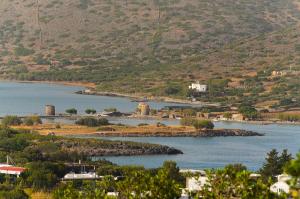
(146,45)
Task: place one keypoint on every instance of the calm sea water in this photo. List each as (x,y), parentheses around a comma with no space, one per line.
(29,98)
(217,152)
(24,99)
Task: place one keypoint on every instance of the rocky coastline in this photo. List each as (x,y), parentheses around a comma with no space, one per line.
(200,133)
(95,148)
(136,97)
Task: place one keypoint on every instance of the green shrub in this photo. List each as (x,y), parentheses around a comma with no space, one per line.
(292,117)
(112,109)
(172,90)
(92,122)
(32,120)
(13,194)
(248,111)
(106,128)
(71,111)
(198,124)
(90,111)
(187,121)
(22,51)
(227,115)
(143,124)
(11,120)
(43,175)
(203,124)
(103,121)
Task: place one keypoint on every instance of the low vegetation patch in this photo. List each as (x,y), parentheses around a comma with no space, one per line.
(92,122)
(198,124)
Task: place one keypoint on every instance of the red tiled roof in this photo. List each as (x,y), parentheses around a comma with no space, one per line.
(16,169)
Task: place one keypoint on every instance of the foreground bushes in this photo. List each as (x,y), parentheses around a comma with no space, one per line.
(13,194)
(11,120)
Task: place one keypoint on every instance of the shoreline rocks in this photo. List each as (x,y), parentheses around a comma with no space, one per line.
(228,132)
(200,133)
(93,147)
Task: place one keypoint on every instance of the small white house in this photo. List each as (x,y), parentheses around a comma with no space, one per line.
(81,176)
(201,88)
(11,170)
(196,183)
(281,186)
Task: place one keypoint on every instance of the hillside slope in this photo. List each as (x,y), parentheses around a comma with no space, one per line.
(146,46)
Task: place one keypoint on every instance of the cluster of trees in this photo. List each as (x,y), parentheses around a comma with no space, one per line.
(289,117)
(275,164)
(44,157)
(45,160)
(139,183)
(32,120)
(233,181)
(8,191)
(248,111)
(92,122)
(198,124)
(90,111)
(12,120)
(293,168)
(111,109)
(72,111)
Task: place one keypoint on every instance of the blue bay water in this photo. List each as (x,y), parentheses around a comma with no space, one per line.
(31,98)
(201,153)
(27,98)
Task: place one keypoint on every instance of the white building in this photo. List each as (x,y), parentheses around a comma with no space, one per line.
(281,186)
(11,170)
(81,176)
(201,88)
(194,184)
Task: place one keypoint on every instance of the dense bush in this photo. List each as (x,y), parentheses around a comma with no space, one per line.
(274,164)
(13,194)
(92,122)
(143,124)
(203,124)
(248,111)
(172,90)
(43,175)
(32,120)
(289,117)
(112,109)
(71,111)
(11,120)
(198,124)
(22,51)
(90,111)
(187,121)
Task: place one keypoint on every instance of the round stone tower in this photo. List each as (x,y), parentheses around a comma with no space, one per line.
(144,108)
(50,110)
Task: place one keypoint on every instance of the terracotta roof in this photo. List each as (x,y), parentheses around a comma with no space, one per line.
(17,169)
